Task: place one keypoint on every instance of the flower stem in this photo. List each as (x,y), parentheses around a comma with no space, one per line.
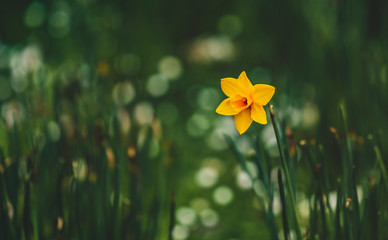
(285,168)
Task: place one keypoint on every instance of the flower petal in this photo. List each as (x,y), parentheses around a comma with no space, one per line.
(225,108)
(258,114)
(230,86)
(243,120)
(244,83)
(262,93)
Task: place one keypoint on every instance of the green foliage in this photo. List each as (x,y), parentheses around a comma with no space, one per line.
(343,221)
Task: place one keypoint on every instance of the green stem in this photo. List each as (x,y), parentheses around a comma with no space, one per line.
(288,179)
(286,228)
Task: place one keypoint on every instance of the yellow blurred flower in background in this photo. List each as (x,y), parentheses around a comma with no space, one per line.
(245,101)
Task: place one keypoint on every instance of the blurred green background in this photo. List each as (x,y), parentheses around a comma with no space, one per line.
(107,107)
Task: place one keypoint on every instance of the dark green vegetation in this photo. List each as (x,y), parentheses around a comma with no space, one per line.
(108,129)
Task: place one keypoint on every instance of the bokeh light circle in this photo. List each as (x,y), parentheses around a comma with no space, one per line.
(157,85)
(144,113)
(223,195)
(206,177)
(123,93)
(209,217)
(170,67)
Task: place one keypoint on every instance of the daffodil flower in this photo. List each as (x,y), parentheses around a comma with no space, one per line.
(245,101)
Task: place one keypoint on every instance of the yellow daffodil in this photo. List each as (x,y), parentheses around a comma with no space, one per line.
(245,101)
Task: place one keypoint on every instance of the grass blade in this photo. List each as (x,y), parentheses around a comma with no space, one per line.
(288,179)
(269,217)
(172,216)
(382,166)
(286,228)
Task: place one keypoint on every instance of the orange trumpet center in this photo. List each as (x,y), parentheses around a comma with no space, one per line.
(245,100)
